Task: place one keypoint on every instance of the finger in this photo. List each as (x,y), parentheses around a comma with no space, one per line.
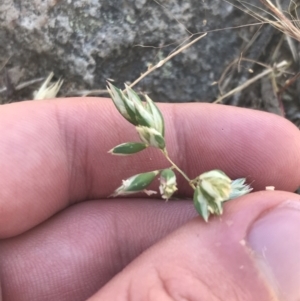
(251,253)
(87,244)
(73,254)
(54,153)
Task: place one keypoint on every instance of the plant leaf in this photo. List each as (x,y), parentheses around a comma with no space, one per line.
(132,95)
(239,188)
(151,137)
(201,204)
(128,148)
(158,119)
(143,117)
(168,183)
(216,184)
(123,105)
(136,183)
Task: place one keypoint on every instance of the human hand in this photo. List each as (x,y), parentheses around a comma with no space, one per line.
(62,239)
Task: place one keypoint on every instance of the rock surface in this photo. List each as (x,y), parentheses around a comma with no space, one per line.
(88,41)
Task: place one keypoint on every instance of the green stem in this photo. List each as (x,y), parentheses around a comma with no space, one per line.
(164,151)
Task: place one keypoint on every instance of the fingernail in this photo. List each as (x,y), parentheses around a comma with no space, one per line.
(275,241)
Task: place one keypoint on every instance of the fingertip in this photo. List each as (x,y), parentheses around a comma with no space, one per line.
(260,146)
(202,259)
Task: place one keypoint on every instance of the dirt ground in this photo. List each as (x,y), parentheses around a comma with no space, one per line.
(277,92)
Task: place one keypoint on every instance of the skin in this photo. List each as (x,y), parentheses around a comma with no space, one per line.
(63,239)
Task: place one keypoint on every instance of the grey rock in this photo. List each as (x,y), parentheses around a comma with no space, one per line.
(88,41)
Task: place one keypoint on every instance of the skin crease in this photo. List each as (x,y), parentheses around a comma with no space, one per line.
(63,240)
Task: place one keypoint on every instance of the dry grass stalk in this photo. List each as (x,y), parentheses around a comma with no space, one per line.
(285,25)
(225,77)
(251,81)
(84,93)
(162,62)
(24,84)
(280,22)
(5,62)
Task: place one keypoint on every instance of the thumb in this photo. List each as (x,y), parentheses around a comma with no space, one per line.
(251,253)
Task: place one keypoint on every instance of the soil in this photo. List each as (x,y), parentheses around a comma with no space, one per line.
(277,93)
